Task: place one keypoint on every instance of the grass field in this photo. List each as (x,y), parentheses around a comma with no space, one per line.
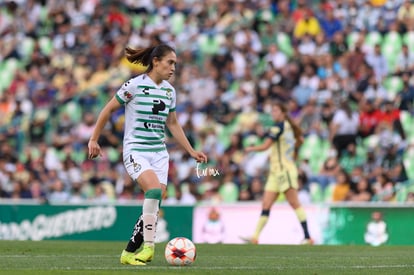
(69,257)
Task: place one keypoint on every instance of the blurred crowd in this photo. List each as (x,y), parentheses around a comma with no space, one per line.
(344,68)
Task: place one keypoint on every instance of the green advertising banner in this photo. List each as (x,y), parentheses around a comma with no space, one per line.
(391,224)
(87,222)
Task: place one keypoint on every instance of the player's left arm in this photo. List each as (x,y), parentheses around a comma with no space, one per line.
(178,133)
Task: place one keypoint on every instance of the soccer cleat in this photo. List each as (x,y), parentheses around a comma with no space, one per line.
(130,258)
(307,242)
(250,240)
(146,254)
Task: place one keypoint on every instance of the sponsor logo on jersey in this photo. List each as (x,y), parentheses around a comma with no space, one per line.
(127,94)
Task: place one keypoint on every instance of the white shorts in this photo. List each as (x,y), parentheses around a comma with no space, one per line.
(137,162)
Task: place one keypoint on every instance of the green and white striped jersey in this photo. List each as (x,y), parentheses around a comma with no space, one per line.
(147,106)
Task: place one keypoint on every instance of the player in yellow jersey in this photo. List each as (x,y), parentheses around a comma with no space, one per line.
(284,138)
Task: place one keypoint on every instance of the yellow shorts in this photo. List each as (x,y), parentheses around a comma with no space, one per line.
(282,180)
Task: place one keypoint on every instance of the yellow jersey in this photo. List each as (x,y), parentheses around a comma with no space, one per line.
(283,147)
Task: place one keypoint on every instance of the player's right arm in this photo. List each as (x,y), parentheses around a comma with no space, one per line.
(93,146)
(261,147)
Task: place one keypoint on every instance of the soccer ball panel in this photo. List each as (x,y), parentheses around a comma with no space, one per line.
(180,251)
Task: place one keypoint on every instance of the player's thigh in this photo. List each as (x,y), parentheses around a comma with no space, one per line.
(287,179)
(138,166)
(280,181)
(160,164)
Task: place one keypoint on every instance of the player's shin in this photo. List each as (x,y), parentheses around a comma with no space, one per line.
(137,237)
(149,214)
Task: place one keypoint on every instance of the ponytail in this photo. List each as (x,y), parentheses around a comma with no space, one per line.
(297,131)
(139,56)
(146,55)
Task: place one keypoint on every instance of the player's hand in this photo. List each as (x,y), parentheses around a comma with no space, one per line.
(94,149)
(199,157)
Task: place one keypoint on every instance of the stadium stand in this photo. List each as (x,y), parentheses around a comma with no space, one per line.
(60,61)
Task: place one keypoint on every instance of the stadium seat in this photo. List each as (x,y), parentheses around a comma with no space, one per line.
(46,45)
(6,76)
(352,38)
(170,190)
(373,38)
(177,23)
(393,85)
(314,149)
(409,164)
(393,38)
(229,192)
(408,39)
(407,122)
(11,64)
(327,195)
(137,21)
(401,192)
(316,192)
(371,141)
(285,44)
(208,45)
(26,47)
(113,154)
(74,109)
(390,52)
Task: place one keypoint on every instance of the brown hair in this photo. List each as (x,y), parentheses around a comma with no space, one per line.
(297,131)
(146,55)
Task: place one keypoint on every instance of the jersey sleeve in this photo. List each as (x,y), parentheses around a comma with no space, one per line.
(275,131)
(125,93)
(173,101)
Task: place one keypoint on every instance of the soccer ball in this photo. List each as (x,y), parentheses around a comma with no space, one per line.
(180,251)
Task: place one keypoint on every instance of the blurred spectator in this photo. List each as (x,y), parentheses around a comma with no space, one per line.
(384,189)
(360,191)
(276,58)
(310,119)
(372,165)
(406,13)
(57,193)
(308,25)
(327,174)
(61,61)
(369,118)
(393,165)
(330,24)
(321,45)
(350,158)
(355,58)
(338,45)
(344,128)
(37,191)
(378,62)
(391,116)
(405,61)
(341,186)
(375,92)
(405,97)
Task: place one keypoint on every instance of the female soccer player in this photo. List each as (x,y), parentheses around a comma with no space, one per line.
(149,101)
(285,138)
